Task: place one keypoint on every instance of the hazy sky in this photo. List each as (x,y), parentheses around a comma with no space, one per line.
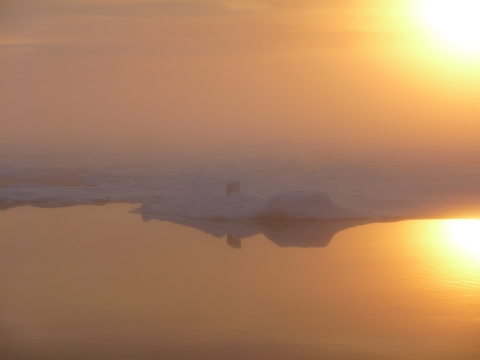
(331,79)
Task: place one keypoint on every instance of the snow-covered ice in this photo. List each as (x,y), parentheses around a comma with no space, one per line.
(269,189)
(304,204)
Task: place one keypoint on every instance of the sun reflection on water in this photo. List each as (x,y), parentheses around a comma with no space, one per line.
(466,235)
(455,249)
(447,254)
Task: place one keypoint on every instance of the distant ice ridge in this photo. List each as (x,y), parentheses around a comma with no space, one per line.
(60,196)
(305,204)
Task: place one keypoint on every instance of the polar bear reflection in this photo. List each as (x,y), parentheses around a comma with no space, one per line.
(234,241)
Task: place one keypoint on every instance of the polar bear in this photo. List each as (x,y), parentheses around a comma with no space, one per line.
(233,188)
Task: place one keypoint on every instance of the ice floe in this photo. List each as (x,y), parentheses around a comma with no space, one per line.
(269,189)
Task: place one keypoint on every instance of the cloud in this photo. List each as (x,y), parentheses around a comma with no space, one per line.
(160,7)
(174,28)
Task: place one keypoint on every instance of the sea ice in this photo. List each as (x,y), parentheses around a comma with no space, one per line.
(304,204)
(269,189)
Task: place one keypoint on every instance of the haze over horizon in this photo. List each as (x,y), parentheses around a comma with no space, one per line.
(333,80)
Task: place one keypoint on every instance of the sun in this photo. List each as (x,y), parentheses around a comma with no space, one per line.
(457,20)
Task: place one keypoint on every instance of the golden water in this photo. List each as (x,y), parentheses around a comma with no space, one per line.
(97,282)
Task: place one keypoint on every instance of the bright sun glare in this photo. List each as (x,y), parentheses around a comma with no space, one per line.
(466,234)
(456,20)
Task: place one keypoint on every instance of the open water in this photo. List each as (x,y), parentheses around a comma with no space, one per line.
(101,282)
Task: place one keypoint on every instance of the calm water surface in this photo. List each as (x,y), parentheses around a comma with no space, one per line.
(101,283)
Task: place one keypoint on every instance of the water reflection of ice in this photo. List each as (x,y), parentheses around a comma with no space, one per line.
(284,233)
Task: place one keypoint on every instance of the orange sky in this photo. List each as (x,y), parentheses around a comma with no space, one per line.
(332,80)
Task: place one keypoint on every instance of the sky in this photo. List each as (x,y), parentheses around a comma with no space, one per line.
(331,80)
